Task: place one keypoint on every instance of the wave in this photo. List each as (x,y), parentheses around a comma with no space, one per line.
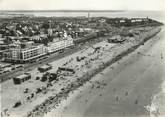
(157,107)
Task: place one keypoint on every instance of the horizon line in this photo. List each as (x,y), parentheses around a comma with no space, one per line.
(72,10)
(62,10)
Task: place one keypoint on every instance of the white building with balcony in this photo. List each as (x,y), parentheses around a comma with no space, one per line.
(24,54)
(59,44)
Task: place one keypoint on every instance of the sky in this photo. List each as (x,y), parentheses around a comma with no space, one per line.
(82,5)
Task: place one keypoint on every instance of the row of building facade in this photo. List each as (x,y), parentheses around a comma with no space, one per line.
(32,51)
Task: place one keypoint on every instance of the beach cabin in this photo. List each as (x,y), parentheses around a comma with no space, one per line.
(22,78)
(116,39)
(44,68)
(65,69)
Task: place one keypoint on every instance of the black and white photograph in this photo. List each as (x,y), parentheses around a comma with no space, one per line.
(82,58)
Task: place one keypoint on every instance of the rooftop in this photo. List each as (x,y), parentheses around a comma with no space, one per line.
(23,76)
(44,66)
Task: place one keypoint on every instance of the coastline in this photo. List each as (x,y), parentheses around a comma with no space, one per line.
(158,103)
(92,73)
(60,91)
(80,100)
(156,15)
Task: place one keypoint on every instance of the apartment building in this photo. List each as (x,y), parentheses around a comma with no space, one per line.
(59,44)
(33,52)
(24,54)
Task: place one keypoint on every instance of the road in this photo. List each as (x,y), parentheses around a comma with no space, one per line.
(30,66)
(131,84)
(51,58)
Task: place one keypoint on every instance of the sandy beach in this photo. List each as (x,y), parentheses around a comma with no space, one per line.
(132,87)
(117,87)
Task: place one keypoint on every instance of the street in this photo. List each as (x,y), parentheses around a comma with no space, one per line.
(130,86)
(52,57)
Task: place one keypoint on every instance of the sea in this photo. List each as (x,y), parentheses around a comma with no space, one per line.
(157,15)
(157,106)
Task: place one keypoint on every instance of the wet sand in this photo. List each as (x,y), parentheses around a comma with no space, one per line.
(130,86)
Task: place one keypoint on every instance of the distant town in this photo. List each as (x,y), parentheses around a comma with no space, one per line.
(24,39)
(27,39)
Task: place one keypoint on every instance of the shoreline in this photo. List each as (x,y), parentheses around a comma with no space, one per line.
(92,73)
(156,108)
(76,106)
